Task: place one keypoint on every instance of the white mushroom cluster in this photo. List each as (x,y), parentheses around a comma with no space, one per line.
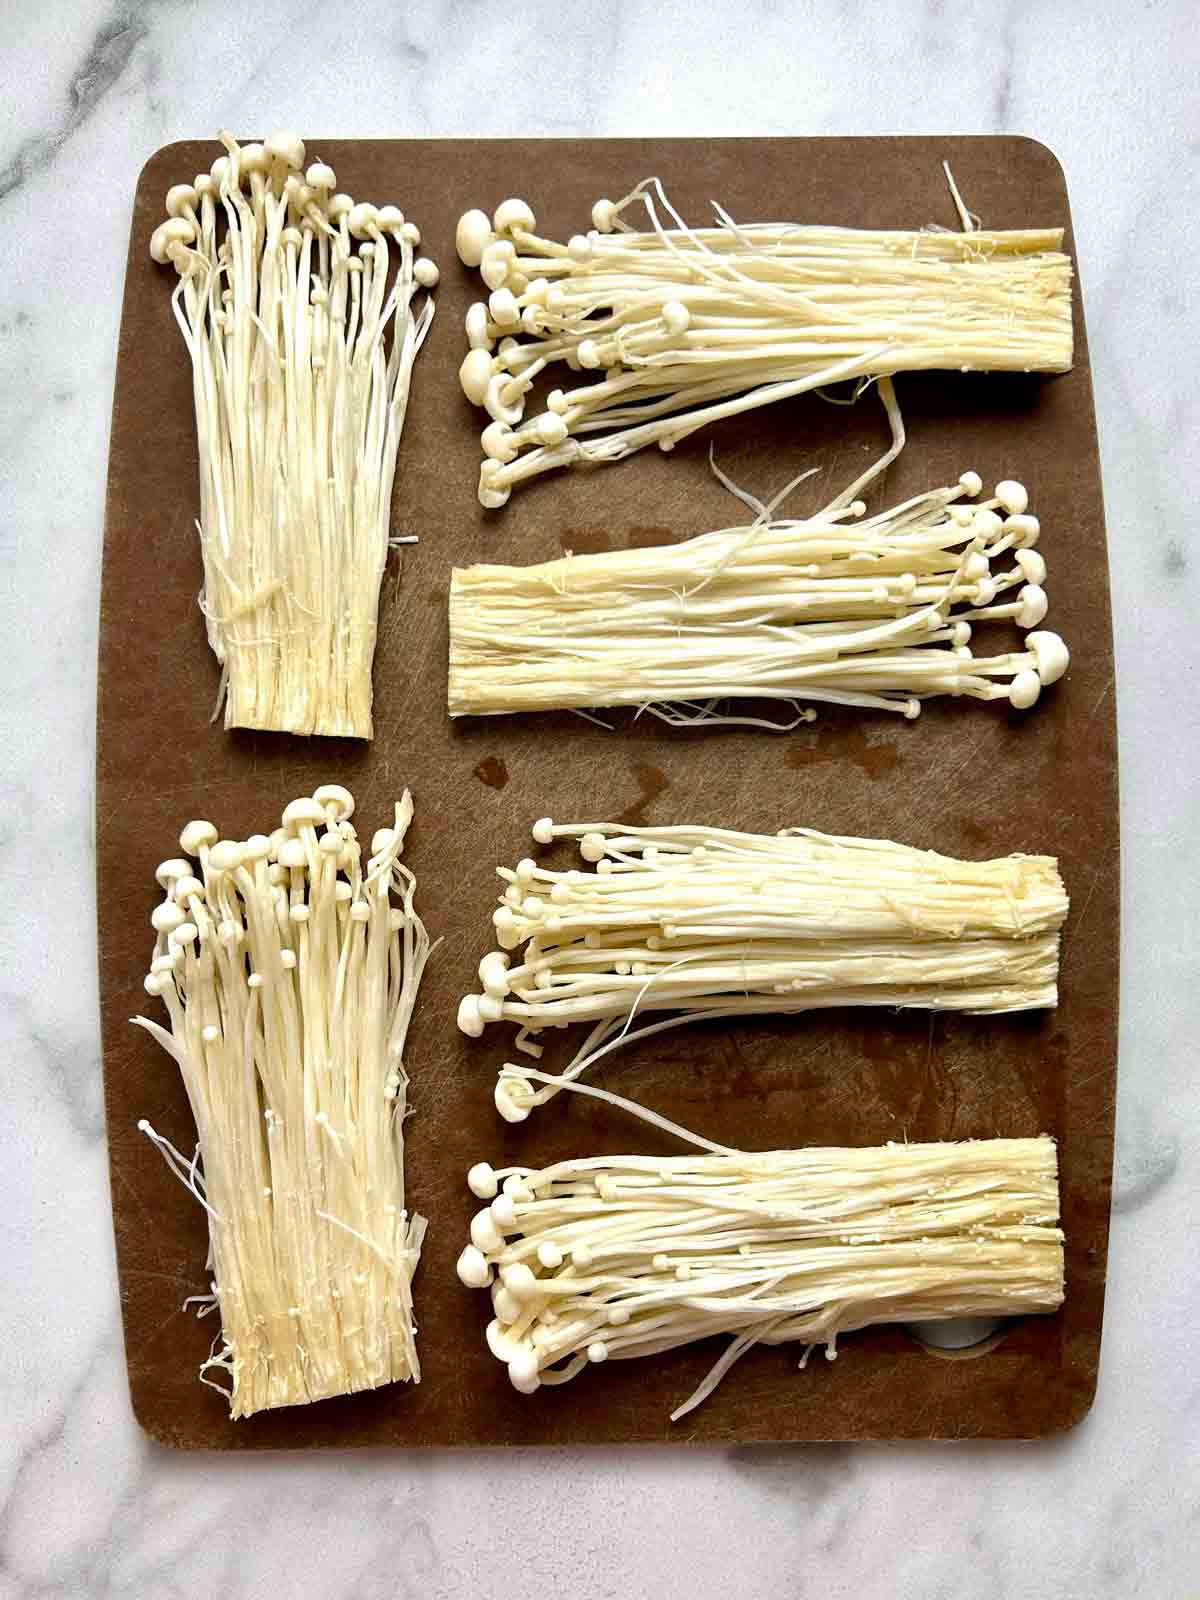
(838,608)
(683,326)
(614,1257)
(698,922)
(289,965)
(296,304)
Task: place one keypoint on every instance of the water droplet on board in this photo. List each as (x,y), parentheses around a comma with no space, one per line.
(492,771)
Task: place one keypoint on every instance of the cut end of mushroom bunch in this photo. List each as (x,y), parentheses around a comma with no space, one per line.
(296,304)
(685,326)
(610,1258)
(289,965)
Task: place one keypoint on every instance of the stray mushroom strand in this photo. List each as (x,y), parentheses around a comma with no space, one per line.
(614,1257)
(685,326)
(289,967)
(297,308)
(703,922)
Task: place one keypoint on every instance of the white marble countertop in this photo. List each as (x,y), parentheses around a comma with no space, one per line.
(87,1505)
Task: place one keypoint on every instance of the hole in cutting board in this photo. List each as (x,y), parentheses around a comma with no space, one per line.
(959,1338)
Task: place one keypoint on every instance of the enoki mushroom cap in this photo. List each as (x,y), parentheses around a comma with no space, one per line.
(1025,689)
(169,872)
(472,237)
(604,215)
(363,220)
(496,440)
(476,324)
(470,1021)
(511,216)
(513,1098)
(1051,654)
(497,262)
(485,1235)
(473,1269)
(332,796)
(196,836)
(226,855)
(1034,605)
(523,1372)
(170,237)
(322,177)
(1013,496)
(303,813)
(475,374)
(482,1181)
(1032,564)
(181,198)
(1023,530)
(287,147)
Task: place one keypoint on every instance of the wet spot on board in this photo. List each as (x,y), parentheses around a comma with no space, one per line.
(651,782)
(589,541)
(976,833)
(876,760)
(435,597)
(492,771)
(646,538)
(584,541)
(1174,559)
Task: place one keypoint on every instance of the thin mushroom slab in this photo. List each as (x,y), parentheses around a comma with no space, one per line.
(972,782)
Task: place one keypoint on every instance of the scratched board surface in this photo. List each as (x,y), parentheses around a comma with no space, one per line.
(965,778)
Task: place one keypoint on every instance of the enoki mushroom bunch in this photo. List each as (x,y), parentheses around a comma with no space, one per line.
(707,922)
(686,326)
(838,608)
(620,1256)
(290,973)
(296,305)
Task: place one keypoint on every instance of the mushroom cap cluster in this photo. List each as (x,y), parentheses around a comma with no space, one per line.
(276,167)
(285,868)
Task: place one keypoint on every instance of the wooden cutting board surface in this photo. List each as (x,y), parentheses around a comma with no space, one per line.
(968,779)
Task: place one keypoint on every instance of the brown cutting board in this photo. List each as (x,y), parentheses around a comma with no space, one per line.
(965,778)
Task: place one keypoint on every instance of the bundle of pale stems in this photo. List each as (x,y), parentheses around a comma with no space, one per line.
(614,1257)
(702,922)
(687,326)
(290,974)
(302,350)
(838,608)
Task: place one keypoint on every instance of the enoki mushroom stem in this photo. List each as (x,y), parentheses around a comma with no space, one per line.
(695,921)
(613,1257)
(838,608)
(685,326)
(289,967)
(297,308)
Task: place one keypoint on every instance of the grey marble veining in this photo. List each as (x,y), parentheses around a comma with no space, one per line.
(87,1506)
